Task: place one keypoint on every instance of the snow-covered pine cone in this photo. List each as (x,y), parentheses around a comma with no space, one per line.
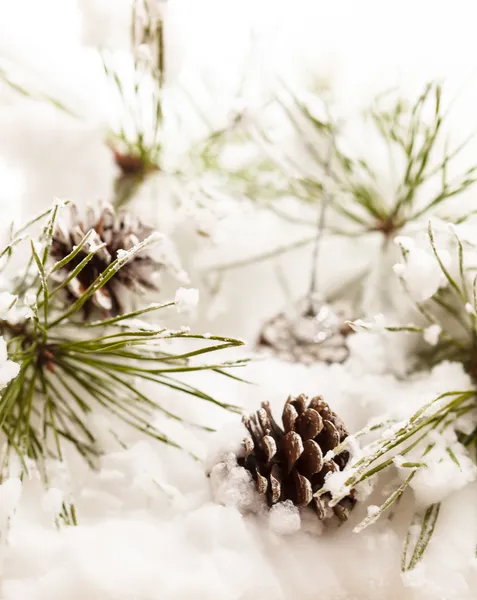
(288,463)
(118,231)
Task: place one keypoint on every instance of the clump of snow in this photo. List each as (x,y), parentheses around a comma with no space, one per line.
(17,310)
(151,509)
(469,309)
(186,299)
(421,271)
(432,333)
(284,518)
(335,483)
(8,369)
(373,510)
(233,485)
(448,468)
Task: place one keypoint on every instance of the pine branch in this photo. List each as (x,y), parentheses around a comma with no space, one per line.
(68,369)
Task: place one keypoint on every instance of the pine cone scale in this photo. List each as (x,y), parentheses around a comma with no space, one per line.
(293,448)
(311,461)
(329,437)
(303,489)
(309,424)
(269,446)
(275,484)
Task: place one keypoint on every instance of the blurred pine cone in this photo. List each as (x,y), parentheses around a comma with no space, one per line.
(289,463)
(133,171)
(118,231)
(308,336)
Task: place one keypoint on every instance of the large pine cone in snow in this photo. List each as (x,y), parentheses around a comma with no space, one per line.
(288,463)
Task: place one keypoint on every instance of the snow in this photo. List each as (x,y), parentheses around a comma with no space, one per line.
(284,518)
(432,333)
(8,369)
(153,522)
(151,509)
(421,272)
(186,299)
(7,301)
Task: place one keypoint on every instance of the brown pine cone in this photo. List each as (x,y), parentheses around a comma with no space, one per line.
(289,464)
(117,231)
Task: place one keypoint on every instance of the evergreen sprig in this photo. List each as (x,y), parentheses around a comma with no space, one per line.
(407,445)
(414,135)
(138,147)
(411,137)
(68,368)
(453,309)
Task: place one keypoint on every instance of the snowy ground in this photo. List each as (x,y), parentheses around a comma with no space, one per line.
(150,527)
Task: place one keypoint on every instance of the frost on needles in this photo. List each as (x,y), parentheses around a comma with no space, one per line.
(435,449)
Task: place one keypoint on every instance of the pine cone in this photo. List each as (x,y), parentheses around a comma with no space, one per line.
(307,336)
(119,231)
(289,464)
